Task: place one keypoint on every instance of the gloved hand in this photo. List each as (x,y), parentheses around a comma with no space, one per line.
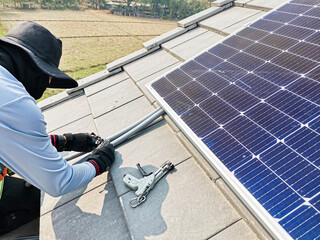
(102,157)
(80,142)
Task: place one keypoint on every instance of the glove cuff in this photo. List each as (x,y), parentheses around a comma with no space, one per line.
(98,164)
(58,142)
(68,139)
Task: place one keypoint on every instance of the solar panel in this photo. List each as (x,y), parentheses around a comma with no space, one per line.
(251,104)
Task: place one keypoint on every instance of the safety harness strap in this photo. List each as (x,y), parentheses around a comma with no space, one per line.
(3,173)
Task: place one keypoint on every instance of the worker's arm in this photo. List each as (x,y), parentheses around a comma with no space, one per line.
(26,149)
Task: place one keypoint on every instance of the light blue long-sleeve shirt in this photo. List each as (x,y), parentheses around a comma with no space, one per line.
(25,146)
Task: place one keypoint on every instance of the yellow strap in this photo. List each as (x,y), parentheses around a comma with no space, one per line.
(1,187)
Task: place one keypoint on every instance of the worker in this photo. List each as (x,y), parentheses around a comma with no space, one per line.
(29,60)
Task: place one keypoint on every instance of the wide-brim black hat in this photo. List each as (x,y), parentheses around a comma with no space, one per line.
(43,48)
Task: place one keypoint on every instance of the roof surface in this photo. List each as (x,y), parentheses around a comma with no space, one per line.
(192,202)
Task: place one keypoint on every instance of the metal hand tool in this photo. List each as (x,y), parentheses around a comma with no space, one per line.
(145,184)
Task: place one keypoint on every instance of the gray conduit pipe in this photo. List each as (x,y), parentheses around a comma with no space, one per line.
(115,136)
(143,122)
(138,128)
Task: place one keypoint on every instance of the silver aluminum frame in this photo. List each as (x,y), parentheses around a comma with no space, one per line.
(270,223)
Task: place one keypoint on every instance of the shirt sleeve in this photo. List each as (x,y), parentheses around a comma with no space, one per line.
(27,150)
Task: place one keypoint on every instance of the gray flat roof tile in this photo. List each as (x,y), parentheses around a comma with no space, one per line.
(129,58)
(50,203)
(243,23)
(238,230)
(95,215)
(227,18)
(167,36)
(202,15)
(112,80)
(196,45)
(85,124)
(219,3)
(151,148)
(150,64)
(265,5)
(184,37)
(184,204)
(113,97)
(92,79)
(142,83)
(66,112)
(241,3)
(117,120)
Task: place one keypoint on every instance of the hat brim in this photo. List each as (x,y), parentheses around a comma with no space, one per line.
(59,78)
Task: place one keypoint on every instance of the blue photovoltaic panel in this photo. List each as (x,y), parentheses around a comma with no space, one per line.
(253,100)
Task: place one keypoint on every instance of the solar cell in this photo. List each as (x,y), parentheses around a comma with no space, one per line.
(315,38)
(294,63)
(237,42)
(178,78)
(238,98)
(271,119)
(164,87)
(266,25)
(227,149)
(208,60)
(262,51)
(213,82)
(223,51)
(257,86)
(307,22)
(294,32)
(278,41)
(195,92)
(281,17)
(306,88)
(306,2)
(275,74)
(218,110)
(179,102)
(307,50)
(229,71)
(294,8)
(251,104)
(200,123)
(193,69)
(314,12)
(315,125)
(314,74)
(252,34)
(295,106)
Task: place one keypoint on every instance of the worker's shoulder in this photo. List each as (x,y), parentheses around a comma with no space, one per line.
(11,90)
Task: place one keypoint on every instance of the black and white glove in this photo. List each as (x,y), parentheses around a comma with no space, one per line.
(102,157)
(80,142)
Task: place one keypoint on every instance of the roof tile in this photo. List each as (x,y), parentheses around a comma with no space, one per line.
(113,97)
(195,45)
(129,58)
(243,23)
(99,208)
(112,80)
(117,120)
(265,5)
(167,36)
(150,64)
(202,15)
(60,115)
(228,18)
(185,205)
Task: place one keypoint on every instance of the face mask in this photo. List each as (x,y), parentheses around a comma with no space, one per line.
(20,65)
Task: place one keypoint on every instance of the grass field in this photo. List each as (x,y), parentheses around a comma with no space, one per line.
(91,39)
